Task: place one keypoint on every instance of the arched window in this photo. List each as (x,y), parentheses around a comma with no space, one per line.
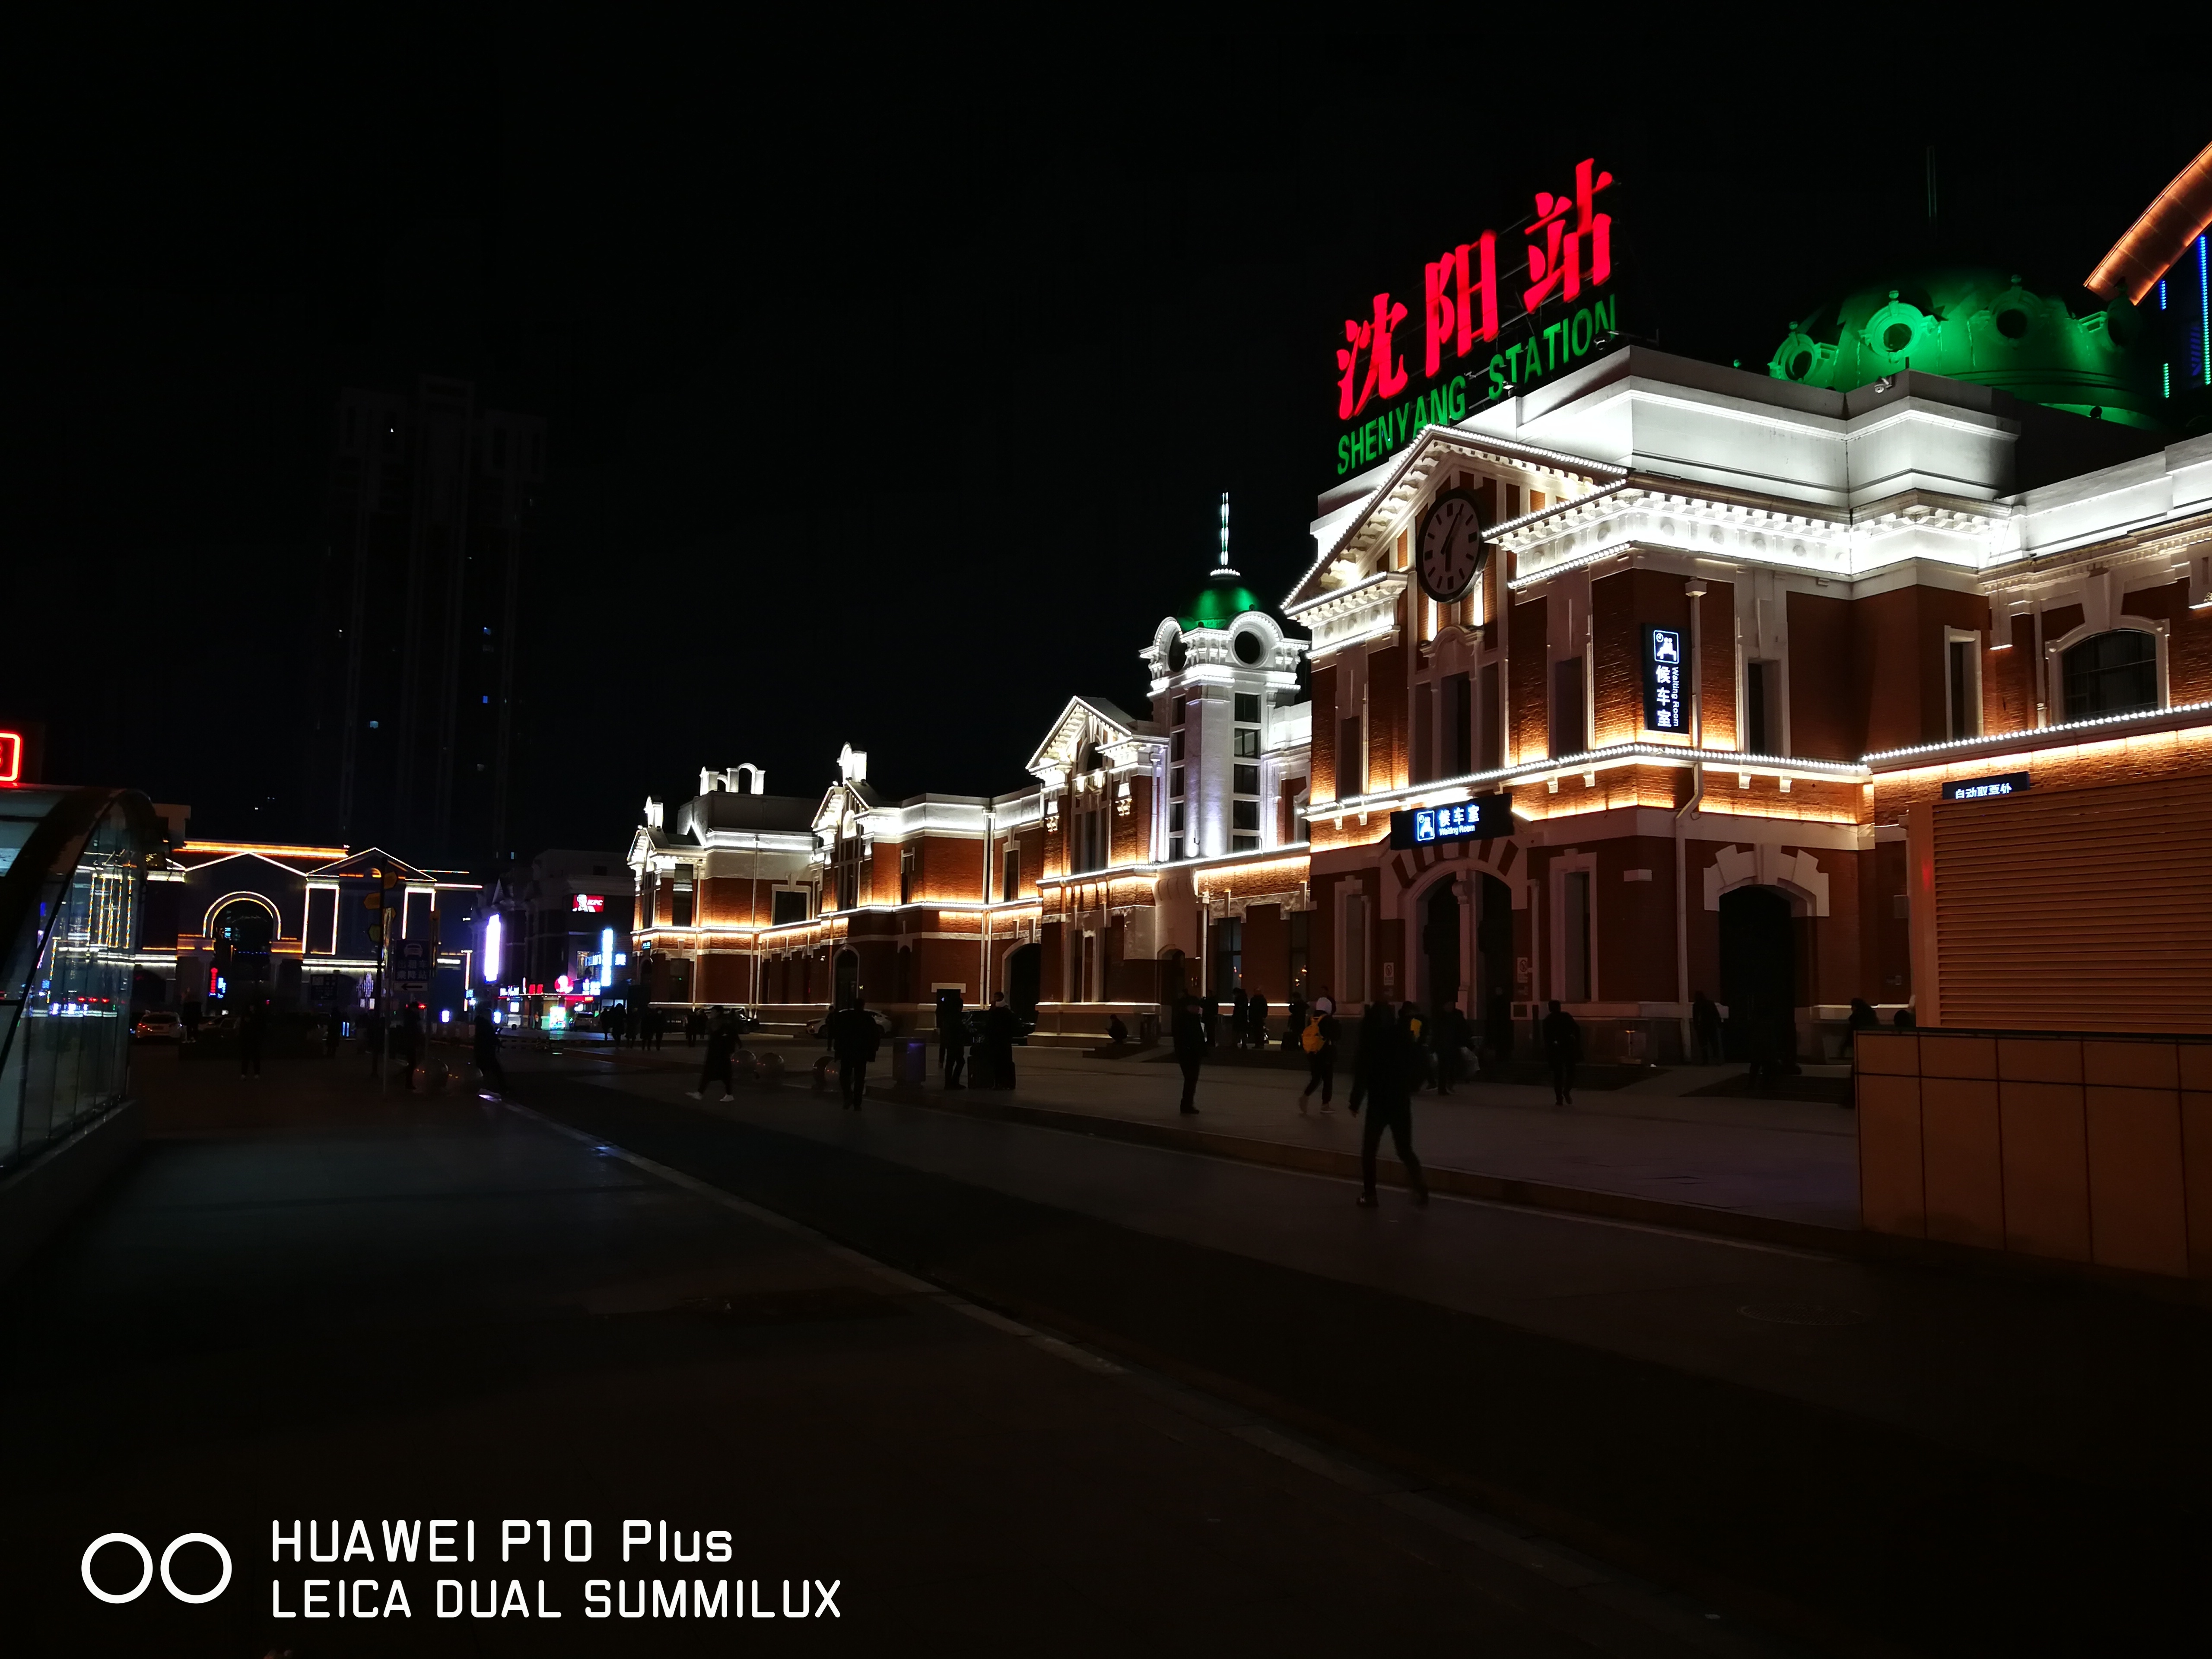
(2114,673)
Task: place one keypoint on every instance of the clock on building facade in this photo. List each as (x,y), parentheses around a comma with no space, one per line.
(1451,552)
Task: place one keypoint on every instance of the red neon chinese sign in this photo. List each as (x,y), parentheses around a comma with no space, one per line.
(1568,254)
(591,903)
(11,756)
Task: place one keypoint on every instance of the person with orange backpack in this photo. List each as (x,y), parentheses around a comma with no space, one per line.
(1319,1042)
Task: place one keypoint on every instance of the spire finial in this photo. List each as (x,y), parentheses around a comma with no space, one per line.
(1224,561)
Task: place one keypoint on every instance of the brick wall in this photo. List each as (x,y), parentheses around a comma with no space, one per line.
(1622,606)
(1716,640)
(1324,733)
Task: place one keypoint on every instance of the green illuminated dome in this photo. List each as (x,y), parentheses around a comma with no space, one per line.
(1983,326)
(1223,600)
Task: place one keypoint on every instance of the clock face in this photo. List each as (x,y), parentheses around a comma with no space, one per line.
(1452,552)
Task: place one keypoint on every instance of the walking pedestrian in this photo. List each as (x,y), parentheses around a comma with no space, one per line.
(950,1032)
(854,1044)
(372,1040)
(1257,1014)
(1382,1076)
(411,1042)
(1000,1030)
(1705,1029)
(1450,1036)
(952,1039)
(1498,1026)
(1240,1018)
(487,1053)
(333,1029)
(251,1023)
(1563,1047)
(1317,1037)
(1190,1046)
(722,1039)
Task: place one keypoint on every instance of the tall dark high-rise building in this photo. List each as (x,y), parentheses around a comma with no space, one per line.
(434,504)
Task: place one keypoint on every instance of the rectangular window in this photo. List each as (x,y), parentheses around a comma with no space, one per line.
(1569,728)
(1244,815)
(906,875)
(1761,733)
(1248,742)
(1227,956)
(1243,843)
(1351,762)
(1425,733)
(790,906)
(1490,753)
(1248,707)
(1175,818)
(1300,928)
(1351,961)
(1245,779)
(1459,727)
(679,914)
(1175,783)
(1966,721)
(1178,717)
(1175,742)
(1175,849)
(1009,875)
(1575,936)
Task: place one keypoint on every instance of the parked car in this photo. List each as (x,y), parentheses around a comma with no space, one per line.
(158,1025)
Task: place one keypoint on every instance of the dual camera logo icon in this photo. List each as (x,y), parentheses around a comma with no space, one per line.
(146,1563)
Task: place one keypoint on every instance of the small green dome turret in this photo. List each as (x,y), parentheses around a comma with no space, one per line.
(1983,326)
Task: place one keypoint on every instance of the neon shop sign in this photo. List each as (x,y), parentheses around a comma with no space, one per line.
(1568,258)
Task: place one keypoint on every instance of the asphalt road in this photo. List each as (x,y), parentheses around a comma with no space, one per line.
(1001,1409)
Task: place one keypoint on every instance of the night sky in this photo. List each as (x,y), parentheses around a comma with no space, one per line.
(891,387)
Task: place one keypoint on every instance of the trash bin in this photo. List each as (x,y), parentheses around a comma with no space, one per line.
(1148,1028)
(910,1060)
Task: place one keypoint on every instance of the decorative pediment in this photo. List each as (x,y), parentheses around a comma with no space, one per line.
(1347,558)
(1091,732)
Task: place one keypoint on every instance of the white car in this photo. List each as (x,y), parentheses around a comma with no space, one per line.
(158,1025)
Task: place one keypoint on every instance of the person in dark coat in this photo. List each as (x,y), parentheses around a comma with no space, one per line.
(1316,1036)
(1000,1030)
(1255,1014)
(1563,1047)
(1382,1077)
(952,1039)
(1449,1037)
(370,1038)
(487,1053)
(1189,1035)
(721,1040)
(1498,1026)
(1862,1018)
(1704,1029)
(1240,1018)
(333,1029)
(251,1026)
(1212,1006)
(410,1042)
(853,1041)
(1902,1020)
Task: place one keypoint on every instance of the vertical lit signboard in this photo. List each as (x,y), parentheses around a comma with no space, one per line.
(1666,685)
(11,756)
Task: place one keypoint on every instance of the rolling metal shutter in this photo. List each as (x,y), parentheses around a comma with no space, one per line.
(2078,910)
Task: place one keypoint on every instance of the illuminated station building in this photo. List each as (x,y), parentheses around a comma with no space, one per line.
(1880,671)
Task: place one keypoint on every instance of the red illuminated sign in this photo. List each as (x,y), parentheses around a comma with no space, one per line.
(591,904)
(1569,252)
(11,756)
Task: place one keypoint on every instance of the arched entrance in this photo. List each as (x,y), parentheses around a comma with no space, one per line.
(240,931)
(1493,961)
(1759,967)
(1025,974)
(847,980)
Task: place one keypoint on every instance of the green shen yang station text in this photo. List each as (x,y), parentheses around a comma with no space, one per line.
(1515,365)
